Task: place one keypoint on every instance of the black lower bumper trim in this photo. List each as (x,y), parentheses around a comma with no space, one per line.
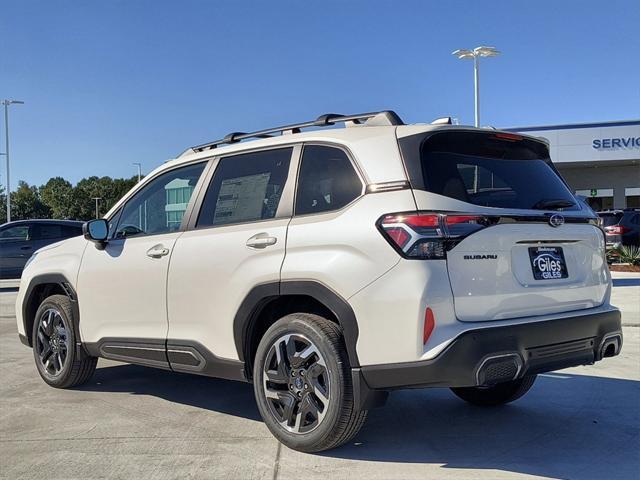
(540,346)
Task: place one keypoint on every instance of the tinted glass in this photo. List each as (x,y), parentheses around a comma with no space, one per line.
(45,232)
(155,209)
(609,219)
(327,180)
(246,188)
(19,232)
(69,231)
(493,172)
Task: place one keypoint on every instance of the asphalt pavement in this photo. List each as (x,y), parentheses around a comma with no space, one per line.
(132,422)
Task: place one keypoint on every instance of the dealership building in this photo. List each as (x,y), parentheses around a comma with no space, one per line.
(598,160)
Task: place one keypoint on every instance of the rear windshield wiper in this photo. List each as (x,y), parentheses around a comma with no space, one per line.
(550,204)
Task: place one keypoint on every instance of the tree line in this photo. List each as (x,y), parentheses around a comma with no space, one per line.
(59,199)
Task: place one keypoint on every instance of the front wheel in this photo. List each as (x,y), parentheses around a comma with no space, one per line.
(54,341)
(497,394)
(302,384)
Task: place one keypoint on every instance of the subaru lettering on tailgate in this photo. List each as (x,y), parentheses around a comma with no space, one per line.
(548,263)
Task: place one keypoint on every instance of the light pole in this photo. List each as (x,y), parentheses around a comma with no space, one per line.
(139,165)
(97,199)
(475,54)
(6,103)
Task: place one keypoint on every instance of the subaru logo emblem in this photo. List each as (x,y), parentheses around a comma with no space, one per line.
(556,220)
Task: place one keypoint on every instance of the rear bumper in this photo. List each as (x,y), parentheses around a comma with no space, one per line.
(491,355)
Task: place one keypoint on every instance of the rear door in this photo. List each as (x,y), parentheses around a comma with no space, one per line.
(235,241)
(538,251)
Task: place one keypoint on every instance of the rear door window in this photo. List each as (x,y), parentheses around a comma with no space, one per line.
(492,170)
(246,188)
(49,231)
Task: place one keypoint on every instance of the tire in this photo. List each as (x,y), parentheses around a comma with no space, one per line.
(306,401)
(497,394)
(54,345)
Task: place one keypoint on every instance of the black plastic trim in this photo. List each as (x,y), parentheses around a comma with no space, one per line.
(54,279)
(176,355)
(260,295)
(24,340)
(193,357)
(338,306)
(150,352)
(458,364)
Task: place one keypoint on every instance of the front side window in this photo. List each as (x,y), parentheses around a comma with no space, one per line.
(246,188)
(327,180)
(160,205)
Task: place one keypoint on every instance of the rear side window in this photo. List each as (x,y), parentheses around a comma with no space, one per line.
(492,170)
(46,232)
(327,180)
(246,188)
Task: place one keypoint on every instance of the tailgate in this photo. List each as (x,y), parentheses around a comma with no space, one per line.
(516,270)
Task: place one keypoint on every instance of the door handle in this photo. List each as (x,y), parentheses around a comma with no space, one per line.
(157,251)
(261,240)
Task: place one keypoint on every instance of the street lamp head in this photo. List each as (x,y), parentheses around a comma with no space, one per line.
(12,102)
(486,51)
(463,53)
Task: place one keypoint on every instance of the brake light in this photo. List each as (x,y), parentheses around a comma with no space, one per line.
(617,230)
(508,136)
(429,236)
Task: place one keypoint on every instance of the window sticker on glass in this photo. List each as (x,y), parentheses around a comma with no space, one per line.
(241,199)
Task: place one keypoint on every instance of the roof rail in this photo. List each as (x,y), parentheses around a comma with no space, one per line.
(385,117)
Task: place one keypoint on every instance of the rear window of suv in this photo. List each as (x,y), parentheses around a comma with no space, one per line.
(610,219)
(490,169)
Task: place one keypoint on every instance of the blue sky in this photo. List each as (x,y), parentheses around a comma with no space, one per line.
(110,83)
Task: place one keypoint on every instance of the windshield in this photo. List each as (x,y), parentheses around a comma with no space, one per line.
(493,170)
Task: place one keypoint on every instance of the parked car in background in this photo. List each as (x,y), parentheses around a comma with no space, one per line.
(18,241)
(622,227)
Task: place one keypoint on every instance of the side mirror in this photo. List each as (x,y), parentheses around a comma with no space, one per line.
(97,231)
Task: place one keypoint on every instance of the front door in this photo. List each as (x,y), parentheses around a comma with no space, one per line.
(122,288)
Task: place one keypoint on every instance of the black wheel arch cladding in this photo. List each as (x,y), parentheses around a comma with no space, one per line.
(42,286)
(261,295)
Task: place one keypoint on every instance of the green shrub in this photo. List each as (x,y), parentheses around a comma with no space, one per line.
(628,254)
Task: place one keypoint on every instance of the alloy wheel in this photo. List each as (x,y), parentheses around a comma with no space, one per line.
(52,341)
(296,383)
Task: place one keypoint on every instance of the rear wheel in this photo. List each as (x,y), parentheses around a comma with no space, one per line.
(302,383)
(497,394)
(54,341)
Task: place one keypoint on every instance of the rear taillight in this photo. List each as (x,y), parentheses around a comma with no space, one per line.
(616,230)
(428,236)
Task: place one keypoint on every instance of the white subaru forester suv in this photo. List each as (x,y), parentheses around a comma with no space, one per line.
(330,266)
